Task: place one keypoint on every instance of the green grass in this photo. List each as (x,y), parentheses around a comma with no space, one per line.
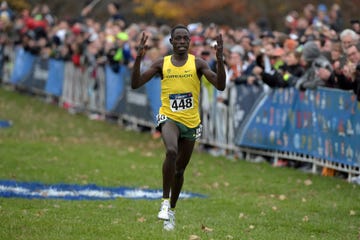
(245,200)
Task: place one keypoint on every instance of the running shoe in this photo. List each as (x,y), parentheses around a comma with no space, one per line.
(164,210)
(169,225)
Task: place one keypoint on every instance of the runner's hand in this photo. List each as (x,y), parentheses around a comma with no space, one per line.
(141,50)
(219,47)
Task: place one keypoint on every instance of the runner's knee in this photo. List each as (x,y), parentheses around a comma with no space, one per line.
(171,154)
(179,173)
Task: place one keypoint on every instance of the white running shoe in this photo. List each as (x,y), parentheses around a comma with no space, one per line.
(169,225)
(164,210)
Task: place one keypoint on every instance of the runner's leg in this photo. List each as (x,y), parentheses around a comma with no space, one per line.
(170,135)
(184,154)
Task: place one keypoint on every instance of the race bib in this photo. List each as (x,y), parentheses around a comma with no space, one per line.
(181,101)
(160,118)
(198,131)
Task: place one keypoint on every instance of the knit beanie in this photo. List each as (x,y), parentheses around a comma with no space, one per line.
(310,51)
(291,44)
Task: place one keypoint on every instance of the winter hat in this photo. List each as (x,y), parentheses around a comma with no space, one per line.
(322,8)
(310,51)
(290,44)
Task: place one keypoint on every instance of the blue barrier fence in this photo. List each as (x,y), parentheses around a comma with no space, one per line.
(114,87)
(23,65)
(98,88)
(55,80)
(324,123)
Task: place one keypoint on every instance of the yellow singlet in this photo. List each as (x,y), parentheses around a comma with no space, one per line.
(180,90)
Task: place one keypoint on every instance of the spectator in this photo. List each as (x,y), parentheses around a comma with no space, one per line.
(355,25)
(290,69)
(234,63)
(293,65)
(268,37)
(336,18)
(321,17)
(197,44)
(349,75)
(47,15)
(123,53)
(248,55)
(318,69)
(270,65)
(291,22)
(6,15)
(240,70)
(354,56)
(115,15)
(37,22)
(337,57)
(309,13)
(276,57)
(302,25)
(290,45)
(348,37)
(208,56)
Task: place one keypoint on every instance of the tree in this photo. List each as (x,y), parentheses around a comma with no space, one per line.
(19,5)
(227,12)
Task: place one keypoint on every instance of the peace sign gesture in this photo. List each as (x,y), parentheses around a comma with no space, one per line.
(219,47)
(141,49)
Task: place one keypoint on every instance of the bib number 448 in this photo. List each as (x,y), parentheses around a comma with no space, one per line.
(180,102)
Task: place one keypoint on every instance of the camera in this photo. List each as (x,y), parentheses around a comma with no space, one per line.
(321,63)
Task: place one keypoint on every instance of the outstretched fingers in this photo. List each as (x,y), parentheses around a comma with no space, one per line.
(142,45)
(219,40)
(219,47)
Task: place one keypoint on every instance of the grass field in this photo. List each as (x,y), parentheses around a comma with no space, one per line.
(244,200)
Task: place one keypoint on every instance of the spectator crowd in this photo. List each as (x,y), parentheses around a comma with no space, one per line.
(314,49)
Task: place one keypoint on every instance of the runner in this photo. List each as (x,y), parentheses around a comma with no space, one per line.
(179,117)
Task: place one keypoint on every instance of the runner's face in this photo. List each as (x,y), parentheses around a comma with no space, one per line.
(180,40)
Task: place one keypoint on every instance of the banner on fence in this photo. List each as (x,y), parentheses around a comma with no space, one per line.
(135,103)
(22,66)
(54,83)
(38,75)
(114,87)
(324,124)
(246,97)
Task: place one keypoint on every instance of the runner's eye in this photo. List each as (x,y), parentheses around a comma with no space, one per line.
(179,38)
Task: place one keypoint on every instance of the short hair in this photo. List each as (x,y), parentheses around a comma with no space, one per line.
(356,45)
(349,32)
(179,26)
